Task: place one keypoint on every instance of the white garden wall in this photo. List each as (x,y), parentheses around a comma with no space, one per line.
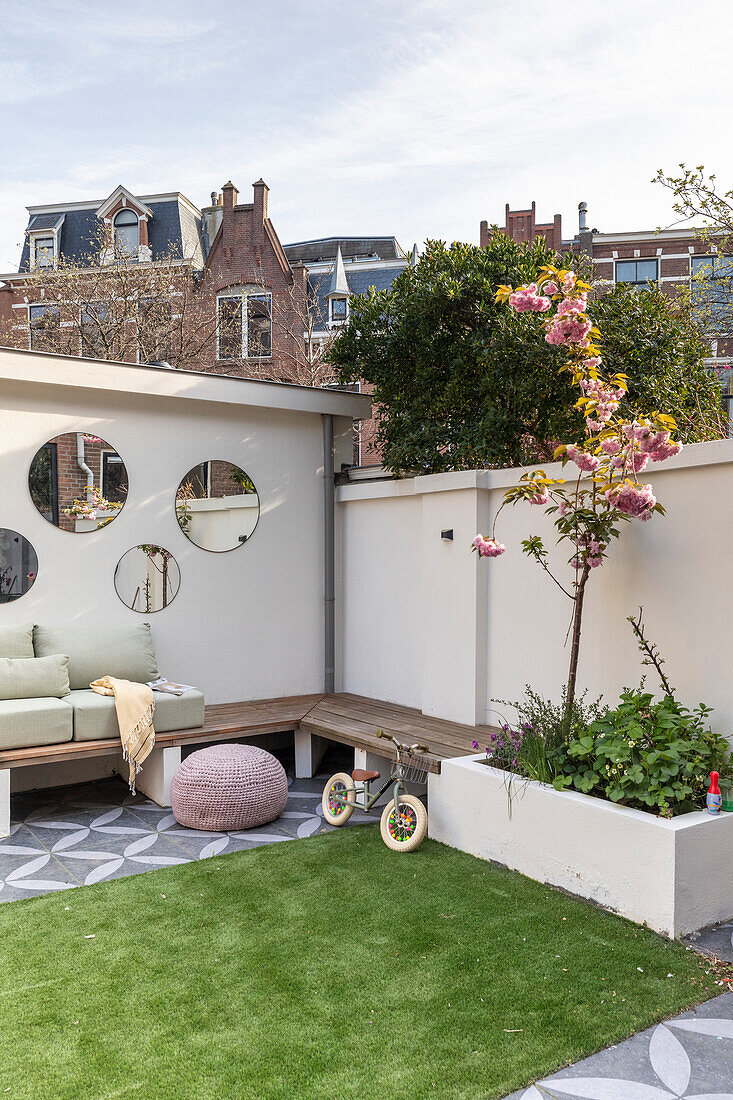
(246,624)
(424,622)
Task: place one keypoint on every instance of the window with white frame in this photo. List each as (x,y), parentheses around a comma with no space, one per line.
(126,232)
(95,334)
(244,325)
(154,330)
(339,309)
(44,251)
(44,323)
(712,291)
(637,272)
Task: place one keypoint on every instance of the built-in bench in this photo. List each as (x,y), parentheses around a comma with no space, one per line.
(314,720)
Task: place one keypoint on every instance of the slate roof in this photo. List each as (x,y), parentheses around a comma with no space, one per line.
(324,248)
(359,282)
(173,231)
(45,221)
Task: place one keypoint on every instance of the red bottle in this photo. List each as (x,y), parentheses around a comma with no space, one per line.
(715,798)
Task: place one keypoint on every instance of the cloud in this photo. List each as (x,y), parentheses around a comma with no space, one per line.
(420,118)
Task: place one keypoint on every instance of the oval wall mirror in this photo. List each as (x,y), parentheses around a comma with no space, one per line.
(78,482)
(217,506)
(147,578)
(18,565)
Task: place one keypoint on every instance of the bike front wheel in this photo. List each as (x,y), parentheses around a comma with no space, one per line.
(339,799)
(404,832)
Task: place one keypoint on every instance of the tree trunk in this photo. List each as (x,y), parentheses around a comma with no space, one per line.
(574,651)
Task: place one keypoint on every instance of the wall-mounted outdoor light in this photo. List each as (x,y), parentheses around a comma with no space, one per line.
(447,535)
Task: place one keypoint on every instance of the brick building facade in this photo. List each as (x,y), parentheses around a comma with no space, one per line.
(236,301)
(225,264)
(669,258)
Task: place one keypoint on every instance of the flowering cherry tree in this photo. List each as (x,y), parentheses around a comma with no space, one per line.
(606,492)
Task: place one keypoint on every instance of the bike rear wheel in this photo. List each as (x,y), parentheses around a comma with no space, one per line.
(407,831)
(339,799)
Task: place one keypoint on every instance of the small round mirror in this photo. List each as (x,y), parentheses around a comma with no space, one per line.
(217,506)
(78,482)
(147,578)
(18,565)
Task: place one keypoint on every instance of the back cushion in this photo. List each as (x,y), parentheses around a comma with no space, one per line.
(34,677)
(16,641)
(122,651)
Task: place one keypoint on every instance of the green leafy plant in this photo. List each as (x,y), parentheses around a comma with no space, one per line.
(649,755)
(534,745)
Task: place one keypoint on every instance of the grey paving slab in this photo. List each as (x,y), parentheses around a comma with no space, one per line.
(717,940)
(688,1057)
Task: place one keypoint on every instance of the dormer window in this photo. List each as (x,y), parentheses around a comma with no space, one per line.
(127,232)
(338,309)
(44,251)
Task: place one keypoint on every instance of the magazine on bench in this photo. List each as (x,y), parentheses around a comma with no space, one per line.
(169,687)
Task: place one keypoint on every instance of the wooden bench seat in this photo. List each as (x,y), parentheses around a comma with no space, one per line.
(314,719)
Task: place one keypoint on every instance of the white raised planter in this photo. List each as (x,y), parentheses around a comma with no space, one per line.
(674,875)
(82,524)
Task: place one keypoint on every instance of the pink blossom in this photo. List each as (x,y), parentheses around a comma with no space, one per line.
(488,548)
(665,451)
(584,461)
(572,305)
(568,330)
(551,288)
(540,497)
(633,500)
(568,282)
(611,446)
(594,425)
(564,508)
(527,298)
(594,561)
(658,447)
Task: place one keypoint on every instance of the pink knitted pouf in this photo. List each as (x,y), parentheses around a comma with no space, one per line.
(228,787)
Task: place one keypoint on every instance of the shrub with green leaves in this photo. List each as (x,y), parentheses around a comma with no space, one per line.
(654,756)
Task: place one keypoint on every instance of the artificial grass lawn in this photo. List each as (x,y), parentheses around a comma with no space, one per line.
(321,968)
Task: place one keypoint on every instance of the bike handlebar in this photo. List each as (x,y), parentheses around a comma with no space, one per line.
(412,748)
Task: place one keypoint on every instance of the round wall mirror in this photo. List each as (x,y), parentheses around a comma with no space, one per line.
(18,565)
(147,578)
(78,482)
(217,506)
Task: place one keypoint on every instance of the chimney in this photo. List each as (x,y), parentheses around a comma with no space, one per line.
(585,235)
(229,200)
(260,189)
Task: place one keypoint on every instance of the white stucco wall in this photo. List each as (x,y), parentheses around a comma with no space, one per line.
(425,622)
(246,624)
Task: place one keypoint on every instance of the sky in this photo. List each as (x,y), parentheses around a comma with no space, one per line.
(417,118)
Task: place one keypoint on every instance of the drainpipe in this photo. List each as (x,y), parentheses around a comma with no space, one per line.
(328,557)
(82,464)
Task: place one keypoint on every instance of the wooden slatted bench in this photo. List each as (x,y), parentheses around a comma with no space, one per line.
(314,720)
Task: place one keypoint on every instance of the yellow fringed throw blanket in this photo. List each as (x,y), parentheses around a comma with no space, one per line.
(135,705)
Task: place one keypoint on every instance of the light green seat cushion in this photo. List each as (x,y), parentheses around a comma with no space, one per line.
(95,717)
(34,677)
(17,640)
(28,722)
(123,651)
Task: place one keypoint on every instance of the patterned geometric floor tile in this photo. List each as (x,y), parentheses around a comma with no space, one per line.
(28,867)
(688,1057)
(74,836)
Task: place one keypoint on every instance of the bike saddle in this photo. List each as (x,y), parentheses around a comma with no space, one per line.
(361,776)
